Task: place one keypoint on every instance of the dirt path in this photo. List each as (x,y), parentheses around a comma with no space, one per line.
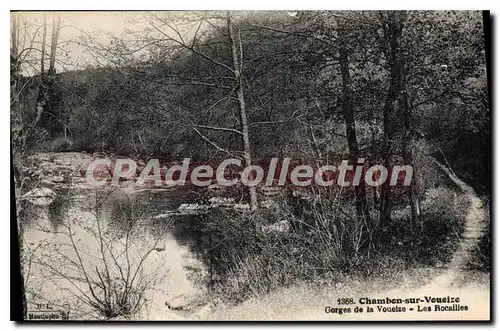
(473,231)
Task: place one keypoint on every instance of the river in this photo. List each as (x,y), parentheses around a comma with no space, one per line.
(102,248)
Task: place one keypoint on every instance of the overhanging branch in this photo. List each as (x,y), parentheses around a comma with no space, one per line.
(218,128)
(217,147)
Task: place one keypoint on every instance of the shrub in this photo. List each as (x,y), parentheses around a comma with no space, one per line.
(443,215)
(243,260)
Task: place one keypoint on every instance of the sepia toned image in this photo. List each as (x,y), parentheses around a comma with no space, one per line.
(251,165)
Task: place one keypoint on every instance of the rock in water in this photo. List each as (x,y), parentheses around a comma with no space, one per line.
(179,302)
(58,179)
(281,226)
(189,209)
(40,196)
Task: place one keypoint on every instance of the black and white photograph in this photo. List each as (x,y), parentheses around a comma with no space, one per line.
(251,165)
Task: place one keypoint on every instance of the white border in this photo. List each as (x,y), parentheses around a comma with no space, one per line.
(253,5)
(185,5)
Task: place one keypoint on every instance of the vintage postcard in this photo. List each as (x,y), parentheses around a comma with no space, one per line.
(251,165)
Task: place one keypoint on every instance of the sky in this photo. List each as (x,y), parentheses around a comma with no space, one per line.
(101,27)
(72,53)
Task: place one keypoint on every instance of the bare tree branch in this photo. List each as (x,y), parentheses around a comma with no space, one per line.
(217,147)
(218,128)
(192,49)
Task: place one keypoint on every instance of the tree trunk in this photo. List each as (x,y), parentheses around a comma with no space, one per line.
(45,88)
(56,26)
(237,70)
(352,141)
(315,146)
(14,52)
(44,37)
(392,30)
(407,154)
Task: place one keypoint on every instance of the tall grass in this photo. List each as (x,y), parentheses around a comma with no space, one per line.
(324,243)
